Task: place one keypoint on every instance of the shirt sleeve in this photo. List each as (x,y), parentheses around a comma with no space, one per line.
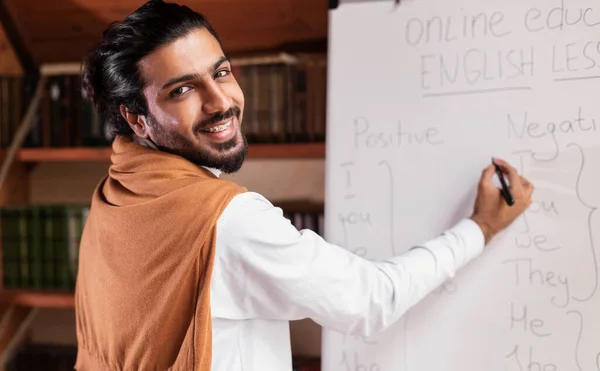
(265,268)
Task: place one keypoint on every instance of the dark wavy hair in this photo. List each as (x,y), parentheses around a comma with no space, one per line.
(110,75)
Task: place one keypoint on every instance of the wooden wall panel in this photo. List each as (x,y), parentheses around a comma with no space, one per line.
(9,64)
(15,189)
(63,30)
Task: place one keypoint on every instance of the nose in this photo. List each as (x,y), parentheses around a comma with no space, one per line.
(215,99)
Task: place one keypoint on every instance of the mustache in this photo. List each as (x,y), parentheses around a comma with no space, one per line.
(217,117)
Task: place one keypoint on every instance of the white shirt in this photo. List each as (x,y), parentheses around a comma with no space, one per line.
(267,273)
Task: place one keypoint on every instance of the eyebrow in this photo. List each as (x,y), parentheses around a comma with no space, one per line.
(191,76)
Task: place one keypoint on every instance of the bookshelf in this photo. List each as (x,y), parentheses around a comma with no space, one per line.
(255,151)
(63,154)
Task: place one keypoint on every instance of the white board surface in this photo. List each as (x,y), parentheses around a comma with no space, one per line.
(420,97)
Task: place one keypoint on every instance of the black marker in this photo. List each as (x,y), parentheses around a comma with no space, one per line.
(505,191)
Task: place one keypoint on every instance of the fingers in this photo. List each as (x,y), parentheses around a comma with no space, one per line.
(521,187)
(513,176)
(525,183)
(527,187)
(487,175)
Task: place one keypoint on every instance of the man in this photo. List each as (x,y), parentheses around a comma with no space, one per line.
(180,270)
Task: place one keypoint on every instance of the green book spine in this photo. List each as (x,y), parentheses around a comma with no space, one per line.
(15,242)
(48,245)
(10,245)
(23,257)
(59,245)
(35,248)
(4,223)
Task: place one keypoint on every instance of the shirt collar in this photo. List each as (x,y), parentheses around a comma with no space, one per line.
(150,144)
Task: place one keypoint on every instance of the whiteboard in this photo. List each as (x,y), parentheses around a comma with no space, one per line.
(420,97)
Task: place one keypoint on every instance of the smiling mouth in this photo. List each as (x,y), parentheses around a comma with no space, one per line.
(218,128)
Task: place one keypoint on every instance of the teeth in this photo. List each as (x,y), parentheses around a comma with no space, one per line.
(217,129)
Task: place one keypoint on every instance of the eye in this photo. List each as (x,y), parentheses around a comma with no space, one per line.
(221,73)
(180,90)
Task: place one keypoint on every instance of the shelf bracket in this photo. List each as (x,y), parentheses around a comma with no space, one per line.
(13,327)
(22,131)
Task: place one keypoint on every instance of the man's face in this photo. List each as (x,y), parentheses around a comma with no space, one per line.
(195,105)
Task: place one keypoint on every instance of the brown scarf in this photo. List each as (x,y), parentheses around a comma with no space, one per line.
(146,256)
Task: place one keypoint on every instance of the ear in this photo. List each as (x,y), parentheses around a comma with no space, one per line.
(136,122)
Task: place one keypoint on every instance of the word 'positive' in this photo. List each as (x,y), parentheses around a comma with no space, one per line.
(366,137)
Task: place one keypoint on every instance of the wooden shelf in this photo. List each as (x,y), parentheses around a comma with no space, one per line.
(38,299)
(64,154)
(287,150)
(256,151)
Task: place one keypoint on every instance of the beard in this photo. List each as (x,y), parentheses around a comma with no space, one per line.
(227,157)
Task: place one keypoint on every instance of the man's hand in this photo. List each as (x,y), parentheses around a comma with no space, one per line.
(491,212)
